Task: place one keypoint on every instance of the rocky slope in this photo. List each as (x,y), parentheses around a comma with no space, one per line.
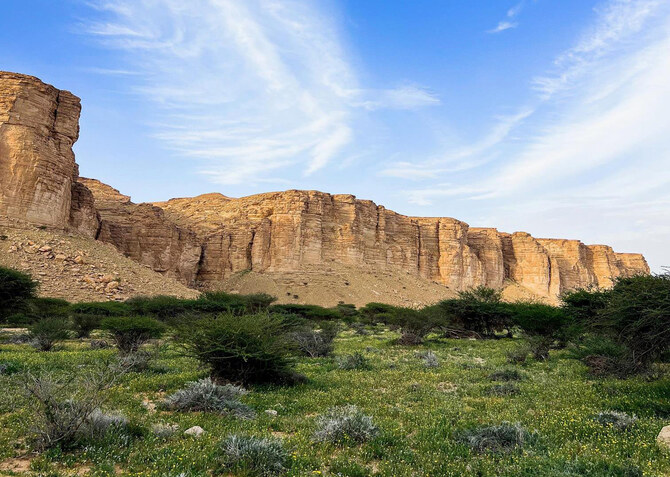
(208,240)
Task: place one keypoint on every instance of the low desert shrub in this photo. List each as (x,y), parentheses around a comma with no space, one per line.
(100,344)
(7,368)
(505,437)
(98,424)
(618,420)
(506,375)
(502,390)
(248,349)
(518,355)
(316,342)
(345,424)
(164,431)
(353,361)
(62,407)
(46,333)
(430,359)
(543,325)
(248,455)
(129,333)
(207,396)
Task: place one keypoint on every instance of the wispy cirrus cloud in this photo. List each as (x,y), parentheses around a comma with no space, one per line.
(246,87)
(597,149)
(509,21)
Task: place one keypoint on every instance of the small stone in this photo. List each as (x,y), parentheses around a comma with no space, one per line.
(195,431)
(663,439)
(60,257)
(149,406)
(271,412)
(79,259)
(107,278)
(45,248)
(112,286)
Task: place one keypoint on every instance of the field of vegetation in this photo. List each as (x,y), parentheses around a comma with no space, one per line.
(472,387)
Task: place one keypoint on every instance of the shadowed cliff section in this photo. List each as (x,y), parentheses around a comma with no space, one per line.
(207,240)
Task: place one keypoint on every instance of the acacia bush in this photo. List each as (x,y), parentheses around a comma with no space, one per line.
(129,333)
(637,316)
(249,349)
(46,333)
(480,311)
(308,312)
(15,289)
(543,325)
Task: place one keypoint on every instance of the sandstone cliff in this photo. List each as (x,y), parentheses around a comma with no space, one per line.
(38,126)
(206,240)
(287,231)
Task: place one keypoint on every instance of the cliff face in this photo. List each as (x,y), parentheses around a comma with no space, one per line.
(285,231)
(141,232)
(207,239)
(38,126)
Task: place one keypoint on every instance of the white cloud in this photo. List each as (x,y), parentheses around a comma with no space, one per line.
(249,86)
(508,23)
(596,155)
(502,26)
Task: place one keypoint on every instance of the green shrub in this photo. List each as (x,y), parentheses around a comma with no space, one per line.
(518,355)
(247,455)
(15,288)
(98,424)
(506,375)
(253,303)
(637,316)
(103,308)
(248,349)
(207,396)
(344,425)
(503,390)
(543,325)
(83,325)
(583,305)
(46,333)
(414,325)
(129,333)
(502,438)
(376,312)
(480,311)
(308,312)
(353,361)
(8,368)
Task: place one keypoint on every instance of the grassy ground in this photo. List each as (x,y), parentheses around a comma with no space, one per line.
(419,410)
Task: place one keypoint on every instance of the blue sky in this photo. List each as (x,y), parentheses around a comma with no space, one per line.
(547,116)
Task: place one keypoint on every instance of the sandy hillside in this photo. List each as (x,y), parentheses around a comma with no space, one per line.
(330,285)
(81,269)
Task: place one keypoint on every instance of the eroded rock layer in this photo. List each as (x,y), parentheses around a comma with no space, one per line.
(284,231)
(206,239)
(38,126)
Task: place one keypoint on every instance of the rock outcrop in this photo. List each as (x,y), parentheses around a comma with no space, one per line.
(207,239)
(141,232)
(284,231)
(38,126)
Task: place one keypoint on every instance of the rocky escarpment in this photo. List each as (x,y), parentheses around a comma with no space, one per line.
(38,126)
(285,231)
(207,239)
